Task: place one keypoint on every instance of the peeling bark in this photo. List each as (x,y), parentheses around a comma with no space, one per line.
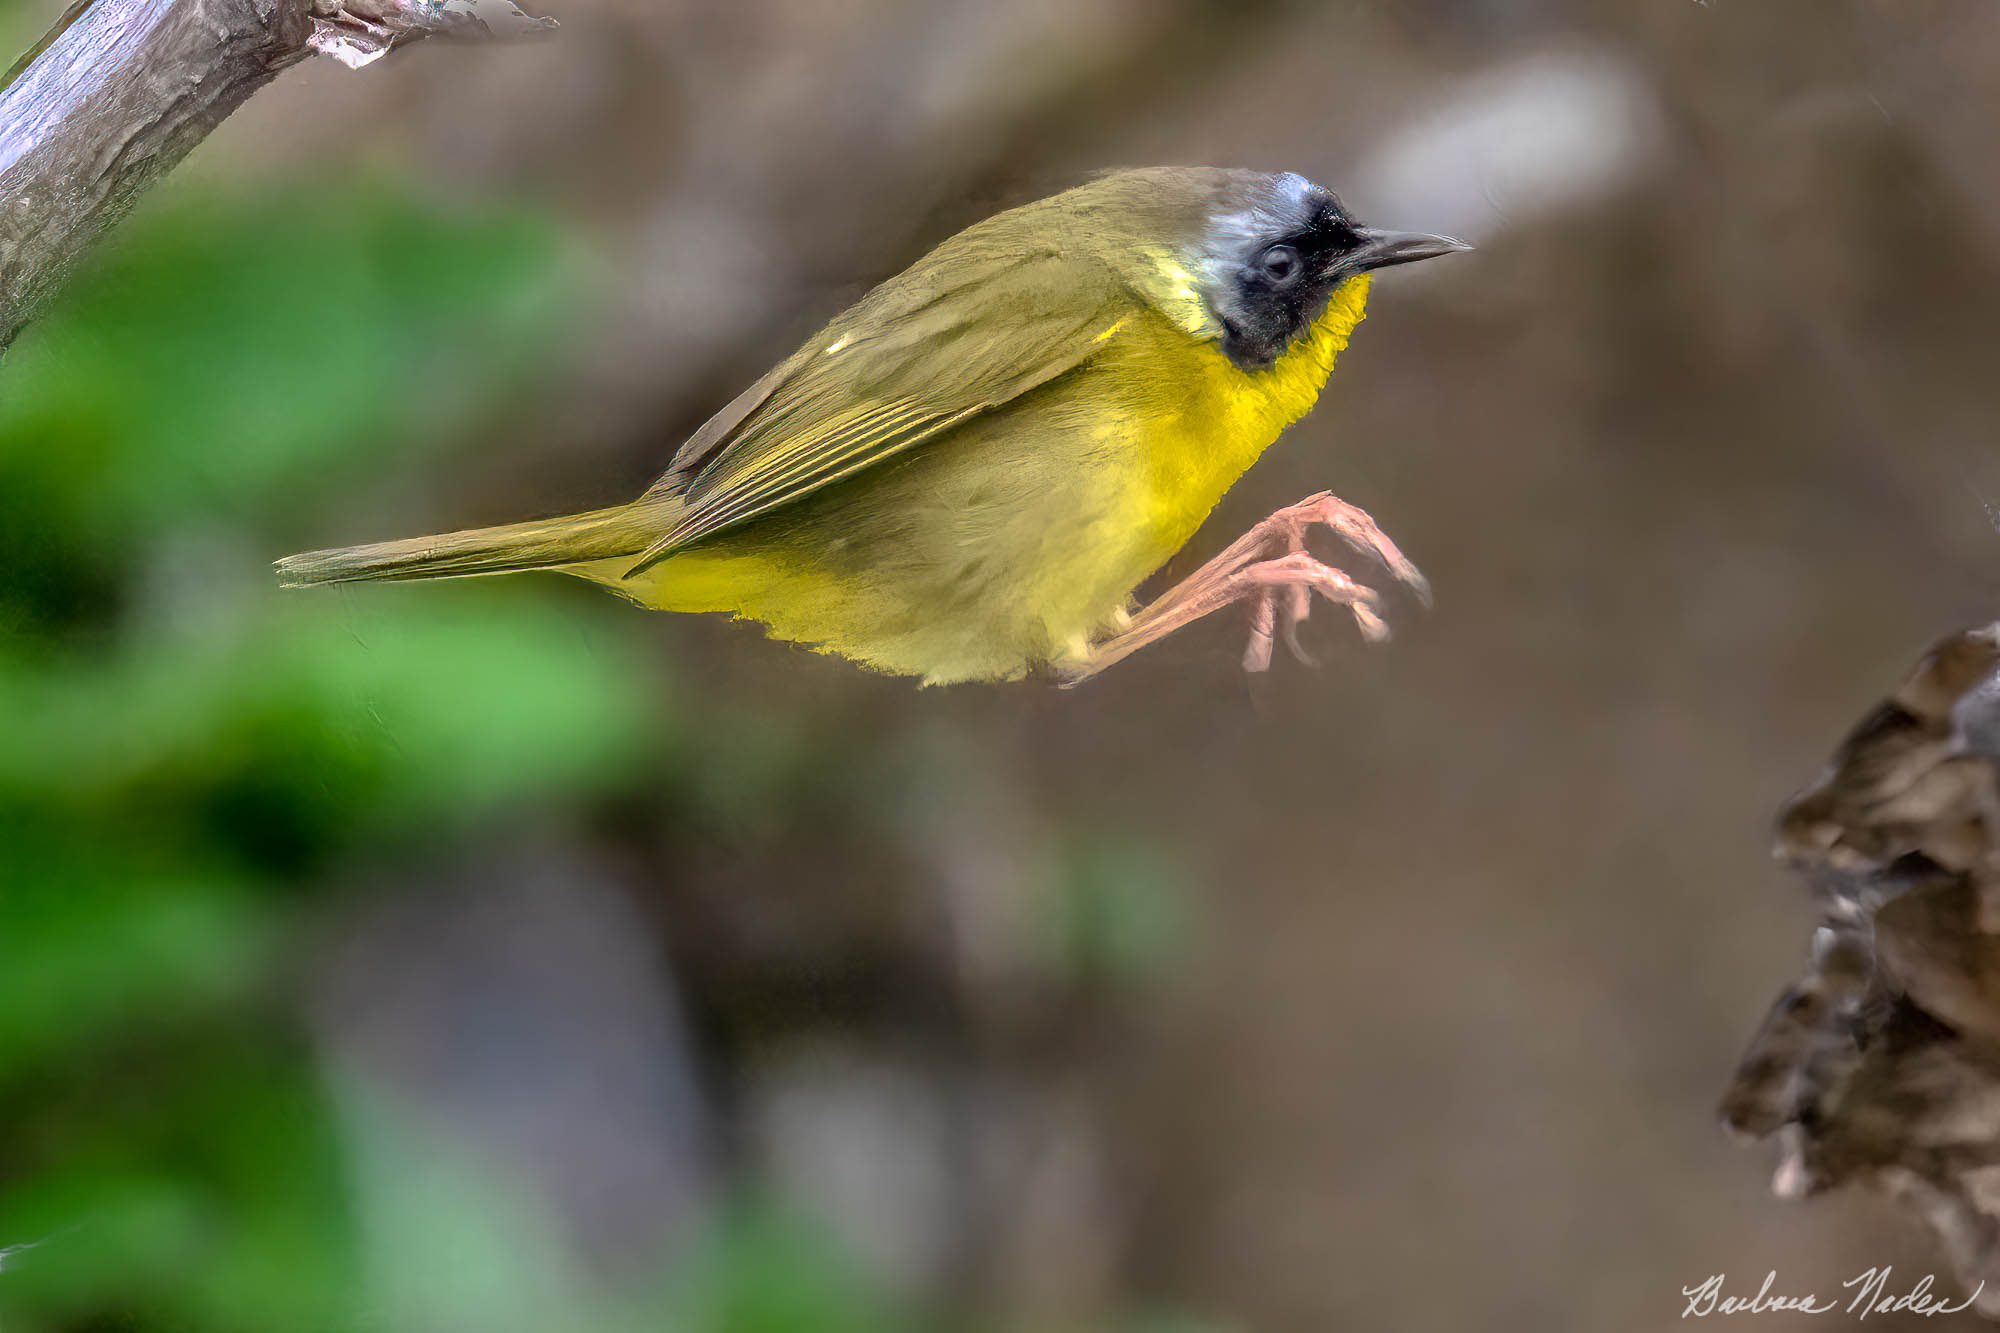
(1881,1064)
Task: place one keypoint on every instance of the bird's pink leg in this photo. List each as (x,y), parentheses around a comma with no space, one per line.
(1270,567)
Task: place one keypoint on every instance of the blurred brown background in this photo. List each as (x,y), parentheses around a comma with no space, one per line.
(1403,989)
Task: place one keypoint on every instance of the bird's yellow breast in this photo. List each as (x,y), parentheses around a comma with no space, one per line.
(1209,420)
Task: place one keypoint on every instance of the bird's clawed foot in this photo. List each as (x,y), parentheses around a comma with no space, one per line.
(1350,523)
(1280,593)
(1271,568)
(1282,603)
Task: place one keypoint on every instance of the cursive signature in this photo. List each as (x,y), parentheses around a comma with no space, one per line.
(1868,1294)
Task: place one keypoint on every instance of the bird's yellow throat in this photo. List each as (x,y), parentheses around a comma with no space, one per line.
(1293,383)
(1246,411)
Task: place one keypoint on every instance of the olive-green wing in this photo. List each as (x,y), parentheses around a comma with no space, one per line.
(972,326)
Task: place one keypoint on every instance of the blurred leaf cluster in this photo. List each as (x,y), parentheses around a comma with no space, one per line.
(185,747)
(193,764)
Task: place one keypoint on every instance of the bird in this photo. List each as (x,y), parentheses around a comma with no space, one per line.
(966,474)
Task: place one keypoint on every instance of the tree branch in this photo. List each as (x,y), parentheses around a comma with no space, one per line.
(122,93)
(121,90)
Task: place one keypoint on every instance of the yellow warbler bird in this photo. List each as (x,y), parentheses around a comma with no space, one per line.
(965,475)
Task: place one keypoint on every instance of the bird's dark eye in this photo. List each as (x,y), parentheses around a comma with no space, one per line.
(1280,264)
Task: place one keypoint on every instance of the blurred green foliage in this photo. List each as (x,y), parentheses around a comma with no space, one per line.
(185,747)
(765,1271)
(1114,910)
(191,761)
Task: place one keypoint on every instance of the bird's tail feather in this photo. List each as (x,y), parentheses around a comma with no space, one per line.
(542,544)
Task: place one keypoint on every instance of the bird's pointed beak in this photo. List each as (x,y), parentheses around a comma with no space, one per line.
(1384,249)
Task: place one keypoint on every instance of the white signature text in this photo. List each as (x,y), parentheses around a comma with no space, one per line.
(1867,1293)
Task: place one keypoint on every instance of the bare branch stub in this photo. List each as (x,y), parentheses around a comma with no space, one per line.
(1881,1064)
(360,32)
